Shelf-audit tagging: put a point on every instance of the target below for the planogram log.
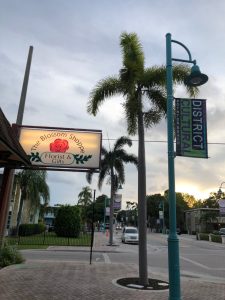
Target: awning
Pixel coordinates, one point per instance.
(12, 154)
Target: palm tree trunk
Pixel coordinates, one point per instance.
(111, 209)
(19, 216)
(142, 210)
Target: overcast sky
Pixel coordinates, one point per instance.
(76, 43)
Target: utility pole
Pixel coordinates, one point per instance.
(8, 175)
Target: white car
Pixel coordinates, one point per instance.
(130, 235)
(222, 231)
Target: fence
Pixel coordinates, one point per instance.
(50, 239)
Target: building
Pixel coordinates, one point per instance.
(203, 220)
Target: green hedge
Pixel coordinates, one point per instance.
(30, 229)
(204, 236)
(68, 222)
(216, 238)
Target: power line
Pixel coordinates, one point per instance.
(159, 141)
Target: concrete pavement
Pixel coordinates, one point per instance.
(71, 280)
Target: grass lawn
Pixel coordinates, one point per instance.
(43, 240)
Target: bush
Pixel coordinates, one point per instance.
(216, 238)
(204, 236)
(30, 229)
(9, 255)
(67, 221)
(216, 232)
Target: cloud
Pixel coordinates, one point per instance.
(76, 43)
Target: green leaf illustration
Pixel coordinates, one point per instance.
(81, 158)
(34, 157)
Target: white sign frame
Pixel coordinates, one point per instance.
(62, 148)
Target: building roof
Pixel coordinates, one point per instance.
(11, 152)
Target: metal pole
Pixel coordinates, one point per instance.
(163, 231)
(173, 242)
(10, 174)
(20, 113)
(104, 212)
(92, 227)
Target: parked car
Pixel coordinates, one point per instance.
(118, 227)
(130, 235)
(222, 231)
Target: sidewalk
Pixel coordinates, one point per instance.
(71, 280)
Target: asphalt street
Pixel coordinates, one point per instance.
(198, 259)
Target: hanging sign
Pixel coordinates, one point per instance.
(191, 128)
(61, 148)
(222, 206)
(107, 211)
(117, 201)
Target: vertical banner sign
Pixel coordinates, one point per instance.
(117, 201)
(222, 206)
(191, 128)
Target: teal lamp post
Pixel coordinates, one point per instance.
(196, 78)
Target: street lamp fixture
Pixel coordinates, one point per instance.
(219, 193)
(196, 78)
(120, 187)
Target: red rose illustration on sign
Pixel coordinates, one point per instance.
(59, 146)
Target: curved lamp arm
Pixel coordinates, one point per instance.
(188, 52)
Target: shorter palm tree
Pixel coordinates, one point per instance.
(85, 196)
(112, 166)
(84, 202)
(33, 187)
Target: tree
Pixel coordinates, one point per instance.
(211, 202)
(133, 82)
(99, 208)
(182, 206)
(84, 201)
(33, 187)
(112, 166)
(154, 203)
(85, 196)
(190, 199)
(67, 221)
(208, 217)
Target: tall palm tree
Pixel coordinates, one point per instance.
(112, 165)
(34, 188)
(133, 82)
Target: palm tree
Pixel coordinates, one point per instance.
(85, 196)
(34, 188)
(112, 165)
(133, 82)
(84, 201)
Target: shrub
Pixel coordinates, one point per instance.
(216, 232)
(30, 229)
(9, 255)
(204, 236)
(216, 238)
(67, 221)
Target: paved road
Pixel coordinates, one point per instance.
(198, 259)
(67, 274)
